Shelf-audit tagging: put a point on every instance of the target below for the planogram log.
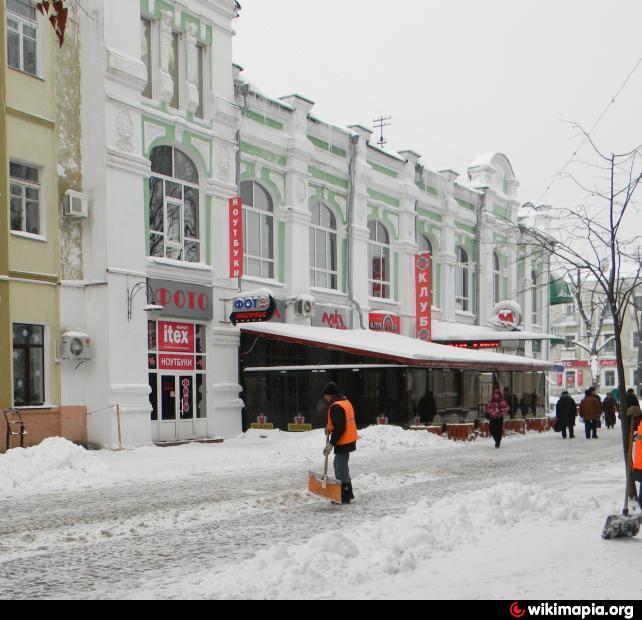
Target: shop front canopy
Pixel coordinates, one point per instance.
(443, 331)
(393, 347)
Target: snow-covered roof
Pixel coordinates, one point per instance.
(456, 332)
(384, 345)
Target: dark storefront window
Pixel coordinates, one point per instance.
(28, 364)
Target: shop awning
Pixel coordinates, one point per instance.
(456, 332)
(386, 346)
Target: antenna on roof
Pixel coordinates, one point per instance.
(380, 123)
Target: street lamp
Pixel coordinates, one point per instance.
(133, 291)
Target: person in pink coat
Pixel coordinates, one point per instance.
(496, 409)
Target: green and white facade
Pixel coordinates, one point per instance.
(329, 219)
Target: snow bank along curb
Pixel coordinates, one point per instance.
(353, 558)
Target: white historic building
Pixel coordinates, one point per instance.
(329, 219)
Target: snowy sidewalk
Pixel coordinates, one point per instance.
(433, 519)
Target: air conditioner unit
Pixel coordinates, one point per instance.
(75, 346)
(76, 204)
(304, 307)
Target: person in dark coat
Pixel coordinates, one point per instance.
(609, 407)
(566, 412)
(427, 407)
(590, 411)
(631, 399)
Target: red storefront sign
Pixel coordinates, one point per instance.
(381, 322)
(423, 296)
(175, 337)
(176, 362)
(236, 237)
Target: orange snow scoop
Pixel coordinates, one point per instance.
(323, 486)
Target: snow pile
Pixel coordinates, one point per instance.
(350, 559)
(385, 437)
(53, 465)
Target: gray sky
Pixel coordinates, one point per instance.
(459, 77)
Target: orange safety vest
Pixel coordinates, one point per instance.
(637, 449)
(350, 435)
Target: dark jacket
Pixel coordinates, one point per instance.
(632, 400)
(338, 417)
(566, 410)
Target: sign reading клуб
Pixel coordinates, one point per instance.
(423, 294)
(182, 300)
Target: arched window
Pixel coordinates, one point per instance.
(174, 230)
(535, 298)
(462, 301)
(323, 247)
(258, 230)
(379, 260)
(496, 278)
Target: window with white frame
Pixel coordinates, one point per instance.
(174, 64)
(609, 378)
(609, 343)
(635, 340)
(24, 198)
(146, 53)
(569, 341)
(534, 298)
(200, 78)
(379, 260)
(258, 230)
(496, 278)
(462, 274)
(570, 312)
(174, 230)
(22, 36)
(323, 247)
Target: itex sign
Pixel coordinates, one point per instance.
(236, 237)
(423, 294)
(176, 346)
(182, 300)
(253, 307)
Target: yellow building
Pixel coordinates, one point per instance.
(29, 235)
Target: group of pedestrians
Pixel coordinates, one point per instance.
(591, 409)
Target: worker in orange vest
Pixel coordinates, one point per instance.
(635, 414)
(342, 433)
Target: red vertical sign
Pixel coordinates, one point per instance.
(236, 237)
(423, 296)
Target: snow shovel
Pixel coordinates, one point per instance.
(624, 526)
(322, 485)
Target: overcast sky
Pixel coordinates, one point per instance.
(459, 77)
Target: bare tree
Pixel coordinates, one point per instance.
(596, 241)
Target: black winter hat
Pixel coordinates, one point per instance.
(331, 389)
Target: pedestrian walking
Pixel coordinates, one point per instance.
(496, 409)
(609, 408)
(590, 411)
(631, 399)
(566, 412)
(342, 432)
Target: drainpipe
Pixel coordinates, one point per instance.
(482, 206)
(354, 141)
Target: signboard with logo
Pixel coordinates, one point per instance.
(299, 425)
(383, 322)
(236, 237)
(506, 315)
(253, 307)
(176, 346)
(181, 300)
(423, 296)
(334, 317)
